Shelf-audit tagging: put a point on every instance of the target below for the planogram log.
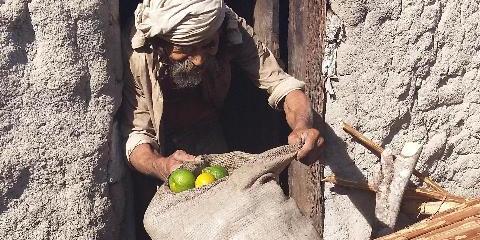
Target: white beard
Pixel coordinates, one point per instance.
(185, 74)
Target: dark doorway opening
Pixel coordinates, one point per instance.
(249, 123)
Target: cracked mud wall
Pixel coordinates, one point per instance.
(60, 73)
(407, 71)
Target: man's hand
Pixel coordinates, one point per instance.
(300, 118)
(147, 161)
(309, 138)
(164, 166)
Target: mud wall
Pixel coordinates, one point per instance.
(406, 71)
(60, 84)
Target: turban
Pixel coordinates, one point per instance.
(182, 22)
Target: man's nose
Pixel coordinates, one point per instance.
(198, 59)
(201, 56)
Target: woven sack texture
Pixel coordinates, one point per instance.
(248, 204)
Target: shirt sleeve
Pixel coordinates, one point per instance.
(262, 67)
(137, 125)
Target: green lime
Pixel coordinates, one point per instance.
(181, 180)
(216, 170)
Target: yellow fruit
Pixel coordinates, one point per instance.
(204, 179)
(217, 171)
(181, 180)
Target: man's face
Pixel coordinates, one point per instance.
(187, 63)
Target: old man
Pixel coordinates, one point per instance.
(179, 74)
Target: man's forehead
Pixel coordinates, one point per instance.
(192, 46)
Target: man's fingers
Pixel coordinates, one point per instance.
(170, 165)
(311, 139)
(175, 166)
(293, 139)
(304, 137)
(308, 146)
(182, 156)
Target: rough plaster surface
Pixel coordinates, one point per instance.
(407, 71)
(60, 85)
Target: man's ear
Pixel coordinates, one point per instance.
(160, 45)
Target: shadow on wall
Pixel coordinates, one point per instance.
(19, 34)
(343, 166)
(19, 185)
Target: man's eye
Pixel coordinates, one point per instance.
(211, 44)
(182, 50)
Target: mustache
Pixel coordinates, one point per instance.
(187, 67)
(185, 74)
(183, 67)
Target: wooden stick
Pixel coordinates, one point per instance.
(437, 195)
(415, 207)
(382, 206)
(377, 150)
(412, 193)
(389, 201)
(347, 183)
(464, 211)
(466, 227)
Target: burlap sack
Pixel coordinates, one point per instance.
(249, 204)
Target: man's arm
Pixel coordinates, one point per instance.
(142, 147)
(262, 67)
(299, 117)
(148, 161)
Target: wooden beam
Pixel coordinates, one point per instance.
(443, 220)
(393, 184)
(459, 230)
(377, 150)
(305, 51)
(416, 207)
(411, 193)
(266, 24)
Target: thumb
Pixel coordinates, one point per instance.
(175, 166)
(294, 138)
(182, 156)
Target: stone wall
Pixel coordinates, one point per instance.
(407, 71)
(60, 85)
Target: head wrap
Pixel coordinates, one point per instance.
(182, 22)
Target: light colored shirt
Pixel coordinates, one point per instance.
(143, 101)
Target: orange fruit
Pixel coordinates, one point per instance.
(204, 179)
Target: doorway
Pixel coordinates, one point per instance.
(249, 123)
